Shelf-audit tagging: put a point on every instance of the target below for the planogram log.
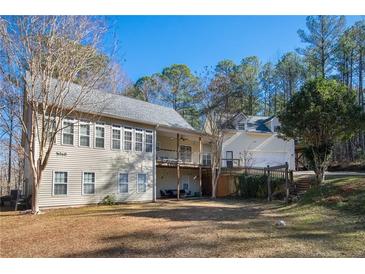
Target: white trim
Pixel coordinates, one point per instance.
(83, 182)
(191, 153)
(101, 126)
(141, 173)
(129, 129)
(118, 177)
(73, 134)
(79, 126)
(120, 128)
(148, 132)
(140, 131)
(53, 183)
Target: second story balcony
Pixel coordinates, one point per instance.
(187, 158)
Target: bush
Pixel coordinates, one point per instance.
(109, 200)
(255, 186)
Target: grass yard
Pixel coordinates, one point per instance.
(328, 222)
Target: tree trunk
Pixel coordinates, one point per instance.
(10, 150)
(35, 196)
(320, 175)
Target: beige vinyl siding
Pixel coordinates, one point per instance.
(104, 162)
(167, 179)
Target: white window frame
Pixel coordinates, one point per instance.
(142, 173)
(205, 157)
(101, 126)
(139, 131)
(150, 133)
(53, 183)
(83, 183)
(116, 127)
(83, 123)
(118, 182)
(73, 134)
(50, 133)
(191, 153)
(129, 129)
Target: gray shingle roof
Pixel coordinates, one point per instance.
(254, 123)
(257, 123)
(124, 107)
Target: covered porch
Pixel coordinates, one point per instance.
(181, 157)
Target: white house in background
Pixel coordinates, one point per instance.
(253, 141)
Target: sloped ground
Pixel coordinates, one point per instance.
(322, 225)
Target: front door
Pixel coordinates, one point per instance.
(229, 159)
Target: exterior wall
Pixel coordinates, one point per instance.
(261, 149)
(106, 163)
(167, 178)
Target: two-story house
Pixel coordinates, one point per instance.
(134, 150)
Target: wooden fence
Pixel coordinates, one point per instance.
(273, 172)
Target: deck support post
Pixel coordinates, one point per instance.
(178, 166)
(286, 182)
(200, 165)
(268, 184)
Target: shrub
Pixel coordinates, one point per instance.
(255, 186)
(109, 200)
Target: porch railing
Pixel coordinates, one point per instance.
(170, 156)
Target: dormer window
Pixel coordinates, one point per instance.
(241, 126)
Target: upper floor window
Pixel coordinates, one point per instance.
(88, 183)
(84, 134)
(138, 146)
(207, 159)
(185, 153)
(241, 126)
(148, 140)
(99, 136)
(50, 127)
(127, 138)
(60, 179)
(276, 128)
(116, 137)
(68, 133)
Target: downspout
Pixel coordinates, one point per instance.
(154, 163)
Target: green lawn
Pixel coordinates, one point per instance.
(327, 222)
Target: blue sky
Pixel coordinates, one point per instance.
(150, 43)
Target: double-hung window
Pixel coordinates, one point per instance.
(84, 130)
(128, 139)
(99, 135)
(88, 184)
(207, 159)
(138, 140)
(68, 133)
(141, 182)
(116, 137)
(123, 182)
(185, 153)
(148, 140)
(60, 179)
(50, 127)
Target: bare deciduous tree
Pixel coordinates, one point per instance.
(36, 50)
